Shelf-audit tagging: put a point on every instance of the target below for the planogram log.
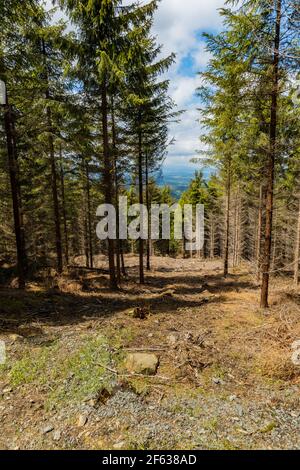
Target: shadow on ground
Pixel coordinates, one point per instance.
(166, 291)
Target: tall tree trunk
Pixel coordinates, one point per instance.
(116, 187)
(297, 251)
(212, 238)
(123, 267)
(85, 211)
(89, 216)
(270, 167)
(15, 192)
(227, 221)
(183, 251)
(236, 222)
(237, 258)
(108, 184)
(22, 227)
(149, 221)
(55, 198)
(85, 237)
(273, 264)
(56, 211)
(141, 201)
(259, 233)
(64, 211)
(240, 231)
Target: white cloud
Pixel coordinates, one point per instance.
(182, 89)
(186, 135)
(177, 22)
(200, 56)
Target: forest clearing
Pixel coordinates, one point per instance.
(225, 378)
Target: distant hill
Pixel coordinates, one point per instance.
(179, 177)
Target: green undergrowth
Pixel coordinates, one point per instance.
(71, 377)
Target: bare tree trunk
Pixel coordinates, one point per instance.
(22, 228)
(86, 243)
(149, 221)
(84, 211)
(56, 211)
(116, 187)
(108, 184)
(152, 248)
(118, 250)
(64, 212)
(212, 238)
(183, 242)
(270, 167)
(55, 199)
(15, 192)
(259, 232)
(236, 229)
(240, 233)
(227, 221)
(273, 265)
(141, 201)
(237, 259)
(89, 215)
(123, 267)
(240, 230)
(297, 252)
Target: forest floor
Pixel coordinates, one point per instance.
(225, 378)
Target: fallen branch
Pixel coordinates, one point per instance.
(108, 368)
(126, 376)
(83, 268)
(145, 349)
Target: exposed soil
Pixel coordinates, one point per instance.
(225, 381)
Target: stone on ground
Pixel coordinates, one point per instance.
(142, 363)
(82, 420)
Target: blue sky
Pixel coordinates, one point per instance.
(179, 25)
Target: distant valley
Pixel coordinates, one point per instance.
(178, 177)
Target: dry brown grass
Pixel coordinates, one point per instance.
(259, 343)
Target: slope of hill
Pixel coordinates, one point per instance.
(179, 177)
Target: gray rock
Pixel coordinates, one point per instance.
(233, 398)
(142, 363)
(120, 445)
(218, 381)
(47, 429)
(56, 436)
(173, 339)
(82, 420)
(202, 431)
